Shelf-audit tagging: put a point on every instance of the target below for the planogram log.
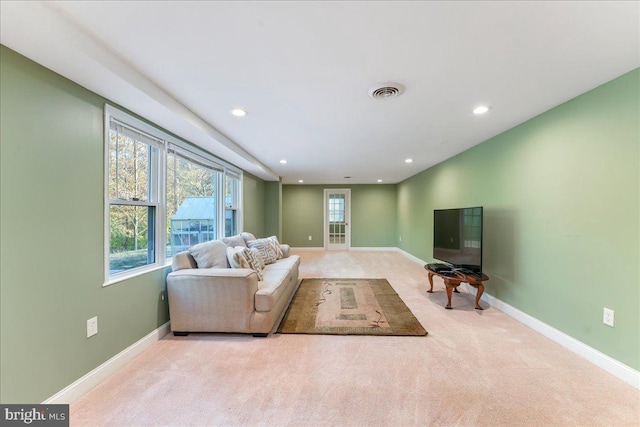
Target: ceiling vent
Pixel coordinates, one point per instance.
(386, 90)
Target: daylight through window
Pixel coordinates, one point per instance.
(192, 206)
(133, 198)
(161, 197)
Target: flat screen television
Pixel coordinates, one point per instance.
(457, 237)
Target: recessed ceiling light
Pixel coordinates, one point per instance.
(238, 112)
(379, 180)
(283, 161)
(480, 109)
(301, 181)
(409, 161)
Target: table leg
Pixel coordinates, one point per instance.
(449, 288)
(480, 288)
(430, 282)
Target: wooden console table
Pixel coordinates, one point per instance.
(452, 281)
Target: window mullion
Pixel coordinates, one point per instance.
(133, 203)
(220, 195)
(161, 193)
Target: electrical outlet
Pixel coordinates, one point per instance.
(608, 317)
(92, 327)
(401, 238)
(310, 238)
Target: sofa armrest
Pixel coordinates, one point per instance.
(183, 260)
(211, 299)
(285, 250)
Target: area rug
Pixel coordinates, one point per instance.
(349, 307)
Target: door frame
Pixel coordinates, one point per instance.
(347, 207)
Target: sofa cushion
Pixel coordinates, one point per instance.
(234, 241)
(269, 248)
(211, 254)
(272, 289)
(284, 263)
(236, 257)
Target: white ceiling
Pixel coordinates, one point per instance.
(302, 71)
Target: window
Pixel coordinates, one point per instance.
(336, 207)
(161, 196)
(192, 205)
(133, 197)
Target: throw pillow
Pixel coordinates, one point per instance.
(211, 254)
(256, 262)
(234, 241)
(266, 249)
(236, 257)
(277, 247)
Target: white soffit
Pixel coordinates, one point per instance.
(76, 55)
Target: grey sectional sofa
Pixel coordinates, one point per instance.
(207, 294)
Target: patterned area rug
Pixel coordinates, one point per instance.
(348, 307)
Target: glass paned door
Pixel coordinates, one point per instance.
(337, 215)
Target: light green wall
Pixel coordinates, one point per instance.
(52, 246)
(562, 217)
(262, 206)
(253, 196)
(51, 219)
(373, 215)
(273, 209)
(302, 215)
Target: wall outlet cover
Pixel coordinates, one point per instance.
(608, 317)
(92, 327)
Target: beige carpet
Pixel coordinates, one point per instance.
(349, 307)
(475, 368)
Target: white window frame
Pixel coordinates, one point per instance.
(201, 156)
(194, 155)
(165, 141)
(237, 205)
(157, 181)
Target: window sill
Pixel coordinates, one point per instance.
(135, 273)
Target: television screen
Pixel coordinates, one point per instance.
(457, 237)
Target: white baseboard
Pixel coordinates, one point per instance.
(375, 249)
(303, 249)
(359, 248)
(372, 249)
(83, 385)
(414, 258)
(609, 364)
